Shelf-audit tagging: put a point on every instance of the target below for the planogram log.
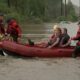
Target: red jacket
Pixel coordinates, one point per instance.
(77, 37)
(2, 31)
(14, 29)
(53, 39)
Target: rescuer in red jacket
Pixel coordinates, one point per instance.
(77, 37)
(13, 29)
(2, 30)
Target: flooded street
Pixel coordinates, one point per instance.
(39, 69)
(12, 68)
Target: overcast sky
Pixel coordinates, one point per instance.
(76, 2)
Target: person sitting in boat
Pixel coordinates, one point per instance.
(53, 41)
(77, 48)
(2, 30)
(13, 29)
(56, 37)
(65, 41)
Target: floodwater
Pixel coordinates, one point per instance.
(18, 68)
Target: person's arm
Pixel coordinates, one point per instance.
(75, 38)
(67, 44)
(65, 39)
(61, 42)
(19, 31)
(55, 43)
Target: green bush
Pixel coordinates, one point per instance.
(61, 18)
(36, 11)
(72, 18)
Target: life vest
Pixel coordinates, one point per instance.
(14, 29)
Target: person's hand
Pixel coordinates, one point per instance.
(28, 37)
(50, 47)
(19, 40)
(62, 46)
(72, 38)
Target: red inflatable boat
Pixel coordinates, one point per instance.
(28, 51)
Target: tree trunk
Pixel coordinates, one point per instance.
(16, 4)
(79, 9)
(8, 2)
(65, 10)
(61, 7)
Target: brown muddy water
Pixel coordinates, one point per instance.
(18, 68)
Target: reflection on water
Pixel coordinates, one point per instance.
(43, 31)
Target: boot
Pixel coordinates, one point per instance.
(31, 42)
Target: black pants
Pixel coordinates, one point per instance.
(30, 42)
(1, 52)
(76, 52)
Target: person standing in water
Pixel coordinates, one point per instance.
(77, 48)
(2, 33)
(2, 30)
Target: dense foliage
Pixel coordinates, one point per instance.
(38, 10)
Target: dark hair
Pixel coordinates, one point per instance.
(8, 20)
(78, 22)
(65, 29)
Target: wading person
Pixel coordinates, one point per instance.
(77, 48)
(2, 30)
